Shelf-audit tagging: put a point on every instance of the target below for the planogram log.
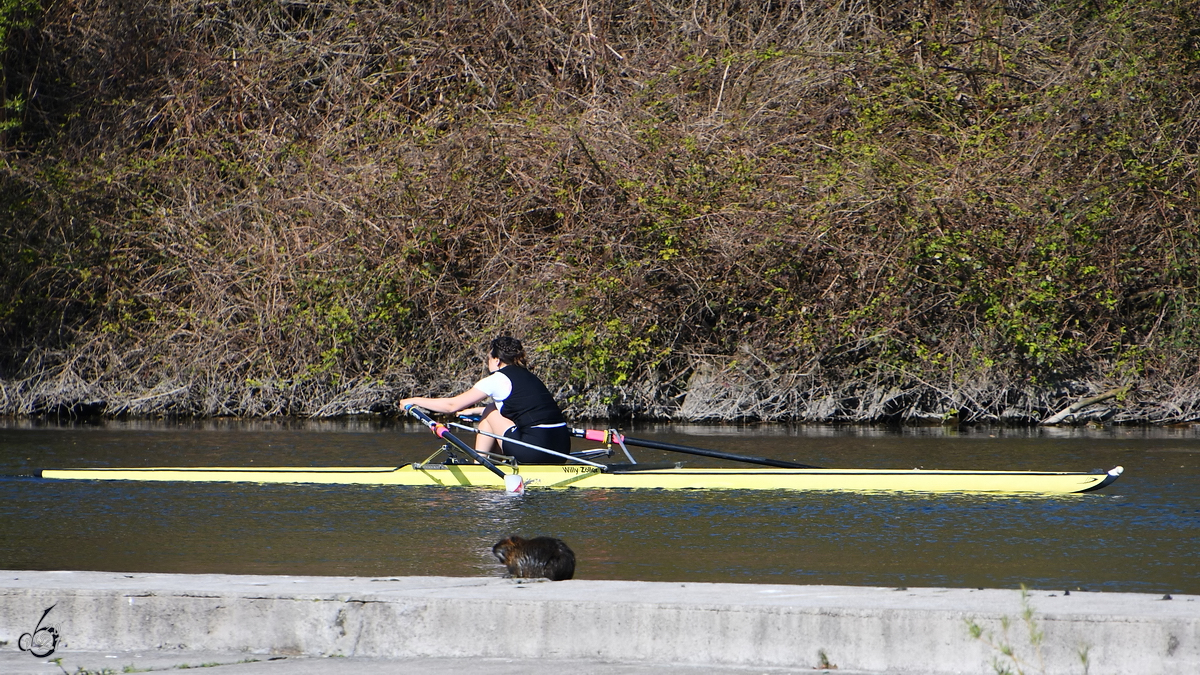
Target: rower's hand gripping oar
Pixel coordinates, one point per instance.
(512, 482)
(612, 436)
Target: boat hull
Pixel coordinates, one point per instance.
(558, 477)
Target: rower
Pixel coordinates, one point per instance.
(521, 407)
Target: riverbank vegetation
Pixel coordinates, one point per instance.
(702, 209)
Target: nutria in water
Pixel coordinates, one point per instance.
(537, 558)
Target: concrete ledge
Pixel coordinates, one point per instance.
(99, 663)
(919, 630)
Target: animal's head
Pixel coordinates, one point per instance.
(507, 549)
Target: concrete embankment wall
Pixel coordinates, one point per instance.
(917, 630)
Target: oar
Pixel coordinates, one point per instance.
(512, 482)
(505, 439)
(615, 437)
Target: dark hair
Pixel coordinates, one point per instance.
(509, 350)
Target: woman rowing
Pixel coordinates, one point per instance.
(522, 408)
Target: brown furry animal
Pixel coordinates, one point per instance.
(537, 558)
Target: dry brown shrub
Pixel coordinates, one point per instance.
(782, 211)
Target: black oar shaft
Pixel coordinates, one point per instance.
(687, 449)
(443, 433)
(671, 447)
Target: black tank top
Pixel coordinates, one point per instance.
(530, 402)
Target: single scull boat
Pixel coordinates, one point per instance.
(498, 471)
(631, 476)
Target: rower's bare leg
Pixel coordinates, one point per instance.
(495, 423)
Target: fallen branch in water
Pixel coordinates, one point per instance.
(1071, 410)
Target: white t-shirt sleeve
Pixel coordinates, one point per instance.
(497, 385)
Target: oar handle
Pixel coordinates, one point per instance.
(612, 436)
(443, 433)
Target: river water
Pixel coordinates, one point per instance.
(1141, 534)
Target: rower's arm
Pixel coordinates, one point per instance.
(446, 405)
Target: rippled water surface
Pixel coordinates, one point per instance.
(1140, 534)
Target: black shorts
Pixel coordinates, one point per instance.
(553, 438)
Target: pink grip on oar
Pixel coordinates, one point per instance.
(602, 436)
(440, 429)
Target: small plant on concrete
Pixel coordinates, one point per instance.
(1009, 661)
(823, 661)
(82, 670)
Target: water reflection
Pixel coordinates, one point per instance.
(1141, 534)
